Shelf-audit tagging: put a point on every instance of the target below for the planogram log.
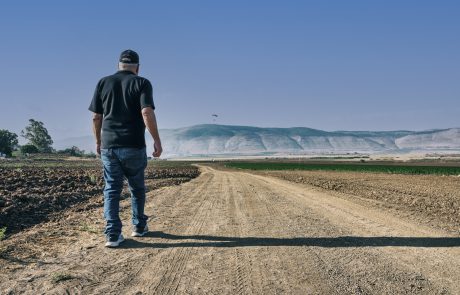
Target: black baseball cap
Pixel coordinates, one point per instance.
(129, 57)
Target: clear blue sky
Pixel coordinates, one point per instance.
(332, 65)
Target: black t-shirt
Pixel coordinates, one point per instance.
(120, 99)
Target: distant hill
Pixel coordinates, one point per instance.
(212, 140)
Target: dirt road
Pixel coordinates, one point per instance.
(229, 232)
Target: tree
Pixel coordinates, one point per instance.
(8, 142)
(38, 136)
(28, 149)
(73, 151)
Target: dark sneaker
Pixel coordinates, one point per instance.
(140, 231)
(114, 241)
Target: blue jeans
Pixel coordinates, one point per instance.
(118, 164)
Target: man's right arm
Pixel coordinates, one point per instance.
(97, 126)
(96, 108)
(150, 121)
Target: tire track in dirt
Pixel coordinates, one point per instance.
(430, 200)
(282, 255)
(419, 267)
(137, 262)
(244, 283)
(260, 214)
(170, 277)
(341, 277)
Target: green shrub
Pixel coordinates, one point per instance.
(28, 149)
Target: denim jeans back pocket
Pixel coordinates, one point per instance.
(134, 161)
(107, 156)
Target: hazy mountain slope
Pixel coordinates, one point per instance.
(437, 139)
(246, 140)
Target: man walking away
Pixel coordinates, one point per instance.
(123, 106)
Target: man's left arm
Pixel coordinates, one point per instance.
(97, 126)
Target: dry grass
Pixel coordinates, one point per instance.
(2, 233)
(60, 276)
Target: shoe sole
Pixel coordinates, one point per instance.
(114, 244)
(136, 234)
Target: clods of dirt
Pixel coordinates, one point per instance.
(30, 195)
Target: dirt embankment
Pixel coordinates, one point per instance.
(431, 199)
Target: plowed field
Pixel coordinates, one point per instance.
(31, 195)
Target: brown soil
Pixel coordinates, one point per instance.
(429, 199)
(229, 232)
(31, 195)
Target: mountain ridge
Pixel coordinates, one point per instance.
(214, 140)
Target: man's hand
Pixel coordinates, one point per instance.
(157, 149)
(150, 122)
(98, 149)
